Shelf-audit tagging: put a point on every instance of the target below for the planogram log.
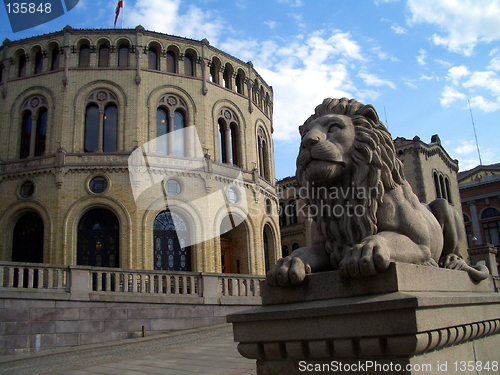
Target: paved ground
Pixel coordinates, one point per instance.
(208, 350)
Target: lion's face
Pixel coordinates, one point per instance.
(325, 148)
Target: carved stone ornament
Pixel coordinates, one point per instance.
(366, 214)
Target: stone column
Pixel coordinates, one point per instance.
(100, 131)
(67, 54)
(34, 119)
(227, 144)
(476, 228)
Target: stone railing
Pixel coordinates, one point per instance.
(113, 284)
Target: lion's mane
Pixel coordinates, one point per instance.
(375, 169)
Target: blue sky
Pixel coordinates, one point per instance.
(418, 62)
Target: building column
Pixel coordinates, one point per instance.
(100, 131)
(34, 119)
(476, 228)
(170, 134)
(227, 144)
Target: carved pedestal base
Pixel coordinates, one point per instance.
(408, 320)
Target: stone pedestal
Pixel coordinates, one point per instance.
(408, 320)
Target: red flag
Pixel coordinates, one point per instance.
(117, 11)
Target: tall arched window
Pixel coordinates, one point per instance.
(214, 70)
(84, 56)
(55, 57)
(171, 240)
(228, 137)
(33, 127)
(228, 76)
(441, 185)
(265, 240)
(240, 82)
(123, 55)
(491, 225)
(437, 186)
(98, 242)
(38, 63)
(292, 212)
(170, 120)
(263, 154)
(448, 190)
(153, 58)
(101, 122)
(282, 215)
(21, 67)
(103, 55)
(171, 65)
(188, 65)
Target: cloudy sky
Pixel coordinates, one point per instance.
(419, 62)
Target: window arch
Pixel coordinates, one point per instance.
(436, 185)
(214, 70)
(265, 240)
(491, 225)
(489, 213)
(21, 65)
(228, 76)
(171, 118)
(171, 235)
(84, 56)
(448, 191)
(228, 137)
(263, 154)
(171, 62)
(295, 246)
(55, 57)
(27, 241)
(33, 127)
(101, 122)
(292, 211)
(153, 58)
(103, 55)
(38, 68)
(240, 82)
(123, 55)
(189, 64)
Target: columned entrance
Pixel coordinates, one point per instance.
(171, 234)
(98, 239)
(27, 244)
(234, 246)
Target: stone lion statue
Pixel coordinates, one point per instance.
(347, 160)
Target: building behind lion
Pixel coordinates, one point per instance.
(76, 103)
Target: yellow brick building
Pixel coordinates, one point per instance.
(79, 109)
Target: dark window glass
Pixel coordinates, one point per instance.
(436, 185)
(110, 128)
(227, 78)
(27, 241)
(41, 133)
(98, 185)
(295, 246)
(26, 135)
(103, 56)
(240, 80)
(214, 74)
(21, 72)
(91, 128)
(1, 72)
(55, 59)
(266, 250)
(492, 232)
(443, 190)
(466, 218)
(179, 136)
(468, 232)
(123, 55)
(38, 62)
(282, 215)
(171, 62)
(490, 212)
(222, 142)
(161, 129)
(27, 189)
(152, 59)
(84, 56)
(292, 212)
(284, 251)
(188, 65)
(448, 191)
(234, 148)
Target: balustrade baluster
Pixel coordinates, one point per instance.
(11, 277)
(30, 278)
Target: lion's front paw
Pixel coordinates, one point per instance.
(366, 258)
(289, 270)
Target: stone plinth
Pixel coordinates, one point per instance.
(409, 315)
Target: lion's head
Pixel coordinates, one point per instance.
(346, 159)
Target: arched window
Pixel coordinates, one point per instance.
(441, 185)
(55, 57)
(228, 76)
(228, 137)
(437, 186)
(123, 55)
(491, 227)
(263, 154)
(282, 215)
(240, 82)
(1, 73)
(84, 56)
(101, 122)
(27, 241)
(38, 63)
(448, 191)
(171, 119)
(265, 240)
(98, 239)
(103, 55)
(188, 65)
(21, 67)
(295, 246)
(171, 65)
(33, 127)
(292, 212)
(152, 58)
(214, 70)
(285, 251)
(171, 240)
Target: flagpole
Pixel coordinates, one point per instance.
(123, 10)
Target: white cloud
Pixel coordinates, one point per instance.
(464, 23)
(450, 95)
(485, 104)
(422, 55)
(446, 64)
(164, 16)
(494, 64)
(426, 78)
(292, 3)
(484, 80)
(271, 24)
(383, 55)
(399, 29)
(456, 73)
(373, 80)
(466, 147)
